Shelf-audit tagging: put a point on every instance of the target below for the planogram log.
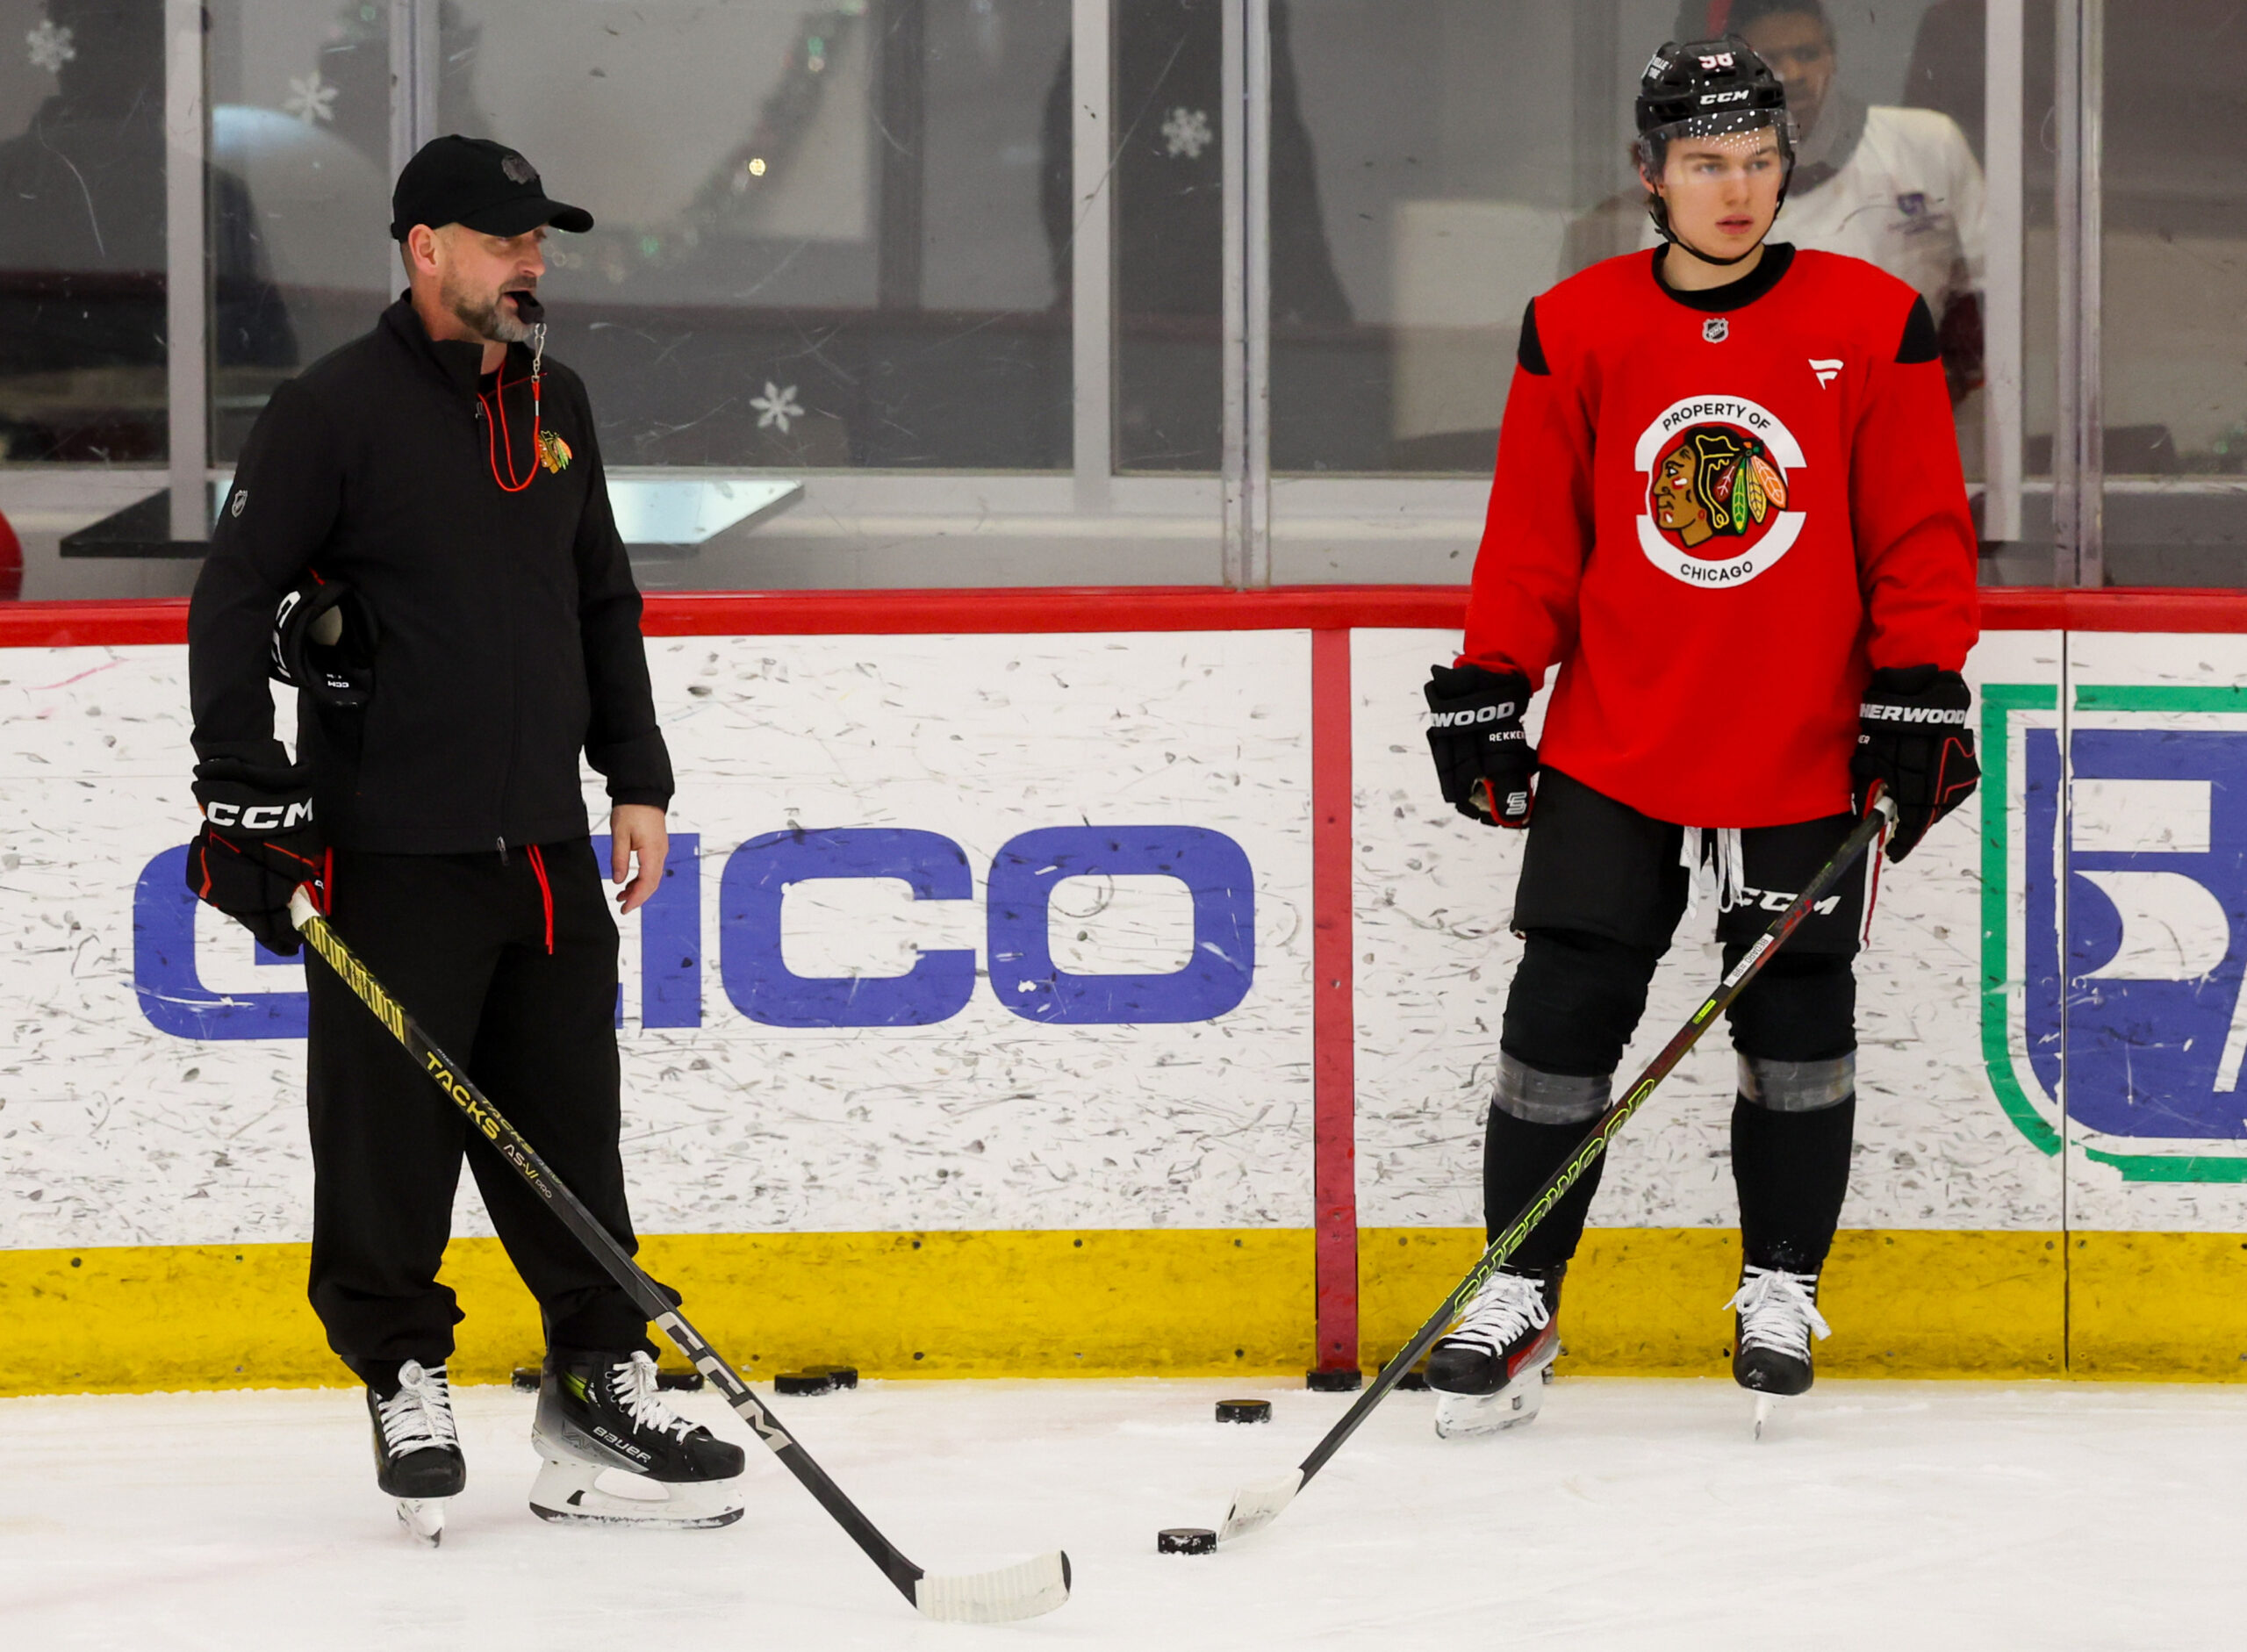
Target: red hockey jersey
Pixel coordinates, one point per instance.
(1716, 513)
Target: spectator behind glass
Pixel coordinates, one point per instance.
(82, 251)
(1896, 187)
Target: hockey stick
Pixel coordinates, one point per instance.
(1257, 1506)
(1022, 1591)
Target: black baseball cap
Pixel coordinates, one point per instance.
(476, 182)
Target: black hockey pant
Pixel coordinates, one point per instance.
(510, 965)
(1602, 890)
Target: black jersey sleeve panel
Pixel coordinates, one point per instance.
(287, 493)
(1922, 343)
(1531, 353)
(622, 740)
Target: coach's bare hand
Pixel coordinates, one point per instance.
(637, 828)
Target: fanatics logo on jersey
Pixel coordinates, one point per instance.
(1828, 370)
(1716, 329)
(1718, 476)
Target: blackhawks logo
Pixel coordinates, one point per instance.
(1717, 506)
(553, 452)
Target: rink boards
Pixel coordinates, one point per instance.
(1093, 983)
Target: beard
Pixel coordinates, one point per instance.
(491, 316)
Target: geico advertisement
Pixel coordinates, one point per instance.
(1210, 927)
(956, 932)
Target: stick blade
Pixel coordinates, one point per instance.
(1255, 1507)
(1029, 1589)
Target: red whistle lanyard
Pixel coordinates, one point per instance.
(495, 413)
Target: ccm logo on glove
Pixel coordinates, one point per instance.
(260, 817)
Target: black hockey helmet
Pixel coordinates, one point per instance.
(1707, 89)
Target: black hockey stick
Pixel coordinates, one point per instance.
(1257, 1506)
(1022, 1591)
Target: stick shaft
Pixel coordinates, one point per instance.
(651, 1299)
(1509, 1240)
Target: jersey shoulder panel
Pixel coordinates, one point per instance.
(1589, 304)
(1871, 305)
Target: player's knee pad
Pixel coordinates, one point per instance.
(1538, 1097)
(1800, 1008)
(1797, 1086)
(1574, 1001)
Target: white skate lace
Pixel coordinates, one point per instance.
(1776, 1311)
(421, 1413)
(633, 1385)
(1508, 1305)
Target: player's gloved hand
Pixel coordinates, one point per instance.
(1483, 760)
(1916, 738)
(258, 843)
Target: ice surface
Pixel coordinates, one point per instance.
(1632, 1514)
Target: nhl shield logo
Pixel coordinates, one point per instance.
(2115, 935)
(1716, 329)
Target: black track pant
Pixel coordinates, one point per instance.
(462, 942)
(1602, 891)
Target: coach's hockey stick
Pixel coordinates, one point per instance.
(1022, 1591)
(1257, 1506)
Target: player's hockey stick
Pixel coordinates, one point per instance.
(1022, 1591)
(1257, 1506)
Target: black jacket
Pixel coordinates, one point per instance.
(510, 625)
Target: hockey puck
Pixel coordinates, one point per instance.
(841, 1376)
(686, 1381)
(1244, 1410)
(525, 1380)
(1343, 1381)
(1414, 1381)
(1186, 1539)
(803, 1383)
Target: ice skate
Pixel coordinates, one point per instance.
(1775, 1313)
(599, 1415)
(1489, 1370)
(417, 1448)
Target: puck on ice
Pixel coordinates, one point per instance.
(1186, 1539)
(1244, 1410)
(526, 1379)
(841, 1376)
(1342, 1381)
(803, 1383)
(688, 1381)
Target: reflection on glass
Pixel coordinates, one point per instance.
(1169, 235)
(818, 240)
(300, 115)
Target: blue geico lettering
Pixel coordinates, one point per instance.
(1024, 976)
(936, 988)
(1215, 872)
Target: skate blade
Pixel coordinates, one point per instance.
(570, 1494)
(1480, 1416)
(423, 1518)
(1763, 1413)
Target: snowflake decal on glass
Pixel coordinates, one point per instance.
(51, 46)
(777, 406)
(1187, 131)
(311, 99)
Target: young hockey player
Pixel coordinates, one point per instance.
(1728, 507)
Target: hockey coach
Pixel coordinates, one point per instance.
(418, 540)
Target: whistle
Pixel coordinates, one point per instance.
(528, 307)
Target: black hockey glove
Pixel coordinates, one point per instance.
(323, 642)
(1483, 760)
(258, 843)
(1916, 739)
